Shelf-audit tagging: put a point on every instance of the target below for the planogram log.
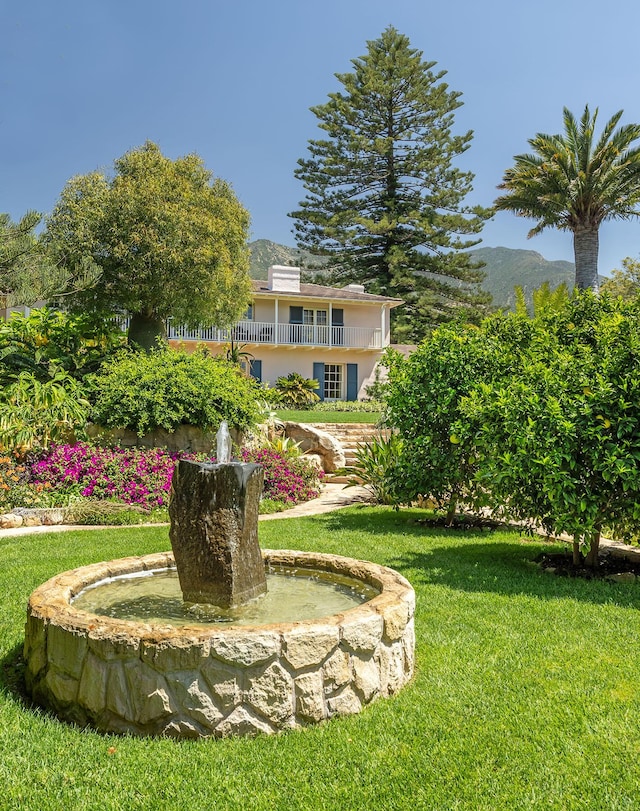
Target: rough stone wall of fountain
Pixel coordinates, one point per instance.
(123, 676)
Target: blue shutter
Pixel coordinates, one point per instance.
(318, 374)
(352, 381)
(255, 369)
(337, 326)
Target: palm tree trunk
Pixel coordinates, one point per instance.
(585, 249)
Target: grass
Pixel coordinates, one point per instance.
(328, 416)
(526, 693)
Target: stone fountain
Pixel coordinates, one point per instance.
(223, 668)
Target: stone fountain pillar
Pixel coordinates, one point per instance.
(214, 532)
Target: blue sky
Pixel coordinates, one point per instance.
(83, 81)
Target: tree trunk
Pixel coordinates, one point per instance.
(451, 509)
(591, 559)
(585, 249)
(144, 331)
(577, 555)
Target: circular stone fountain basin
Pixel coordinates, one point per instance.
(195, 680)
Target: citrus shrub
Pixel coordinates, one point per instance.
(558, 441)
(423, 404)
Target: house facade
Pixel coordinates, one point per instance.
(333, 335)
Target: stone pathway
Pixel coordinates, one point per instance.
(333, 497)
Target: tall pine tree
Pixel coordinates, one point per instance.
(384, 201)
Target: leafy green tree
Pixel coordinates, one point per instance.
(166, 239)
(574, 182)
(626, 282)
(423, 405)
(384, 199)
(558, 440)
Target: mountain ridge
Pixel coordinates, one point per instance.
(505, 268)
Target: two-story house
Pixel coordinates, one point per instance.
(333, 335)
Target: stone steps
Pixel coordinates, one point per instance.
(350, 435)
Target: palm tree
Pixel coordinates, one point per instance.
(573, 183)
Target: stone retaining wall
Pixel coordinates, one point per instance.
(122, 676)
(32, 517)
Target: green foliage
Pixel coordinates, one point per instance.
(269, 506)
(91, 512)
(377, 390)
(558, 440)
(44, 359)
(574, 182)
(35, 413)
(544, 299)
(238, 354)
(283, 445)
(376, 468)
(50, 341)
(423, 404)
(167, 240)
(167, 388)
(296, 391)
(28, 273)
(535, 418)
(384, 199)
(626, 282)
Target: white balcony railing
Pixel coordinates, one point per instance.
(263, 332)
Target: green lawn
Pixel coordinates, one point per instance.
(328, 416)
(526, 694)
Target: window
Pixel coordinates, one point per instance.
(315, 317)
(315, 329)
(333, 378)
(248, 315)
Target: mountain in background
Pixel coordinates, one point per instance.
(507, 267)
(504, 267)
(265, 253)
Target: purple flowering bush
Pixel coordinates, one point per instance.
(139, 476)
(287, 479)
(142, 476)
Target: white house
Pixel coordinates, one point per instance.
(333, 335)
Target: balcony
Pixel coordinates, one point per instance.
(263, 332)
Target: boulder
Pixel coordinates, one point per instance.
(320, 443)
(10, 521)
(214, 532)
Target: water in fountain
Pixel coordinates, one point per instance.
(220, 570)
